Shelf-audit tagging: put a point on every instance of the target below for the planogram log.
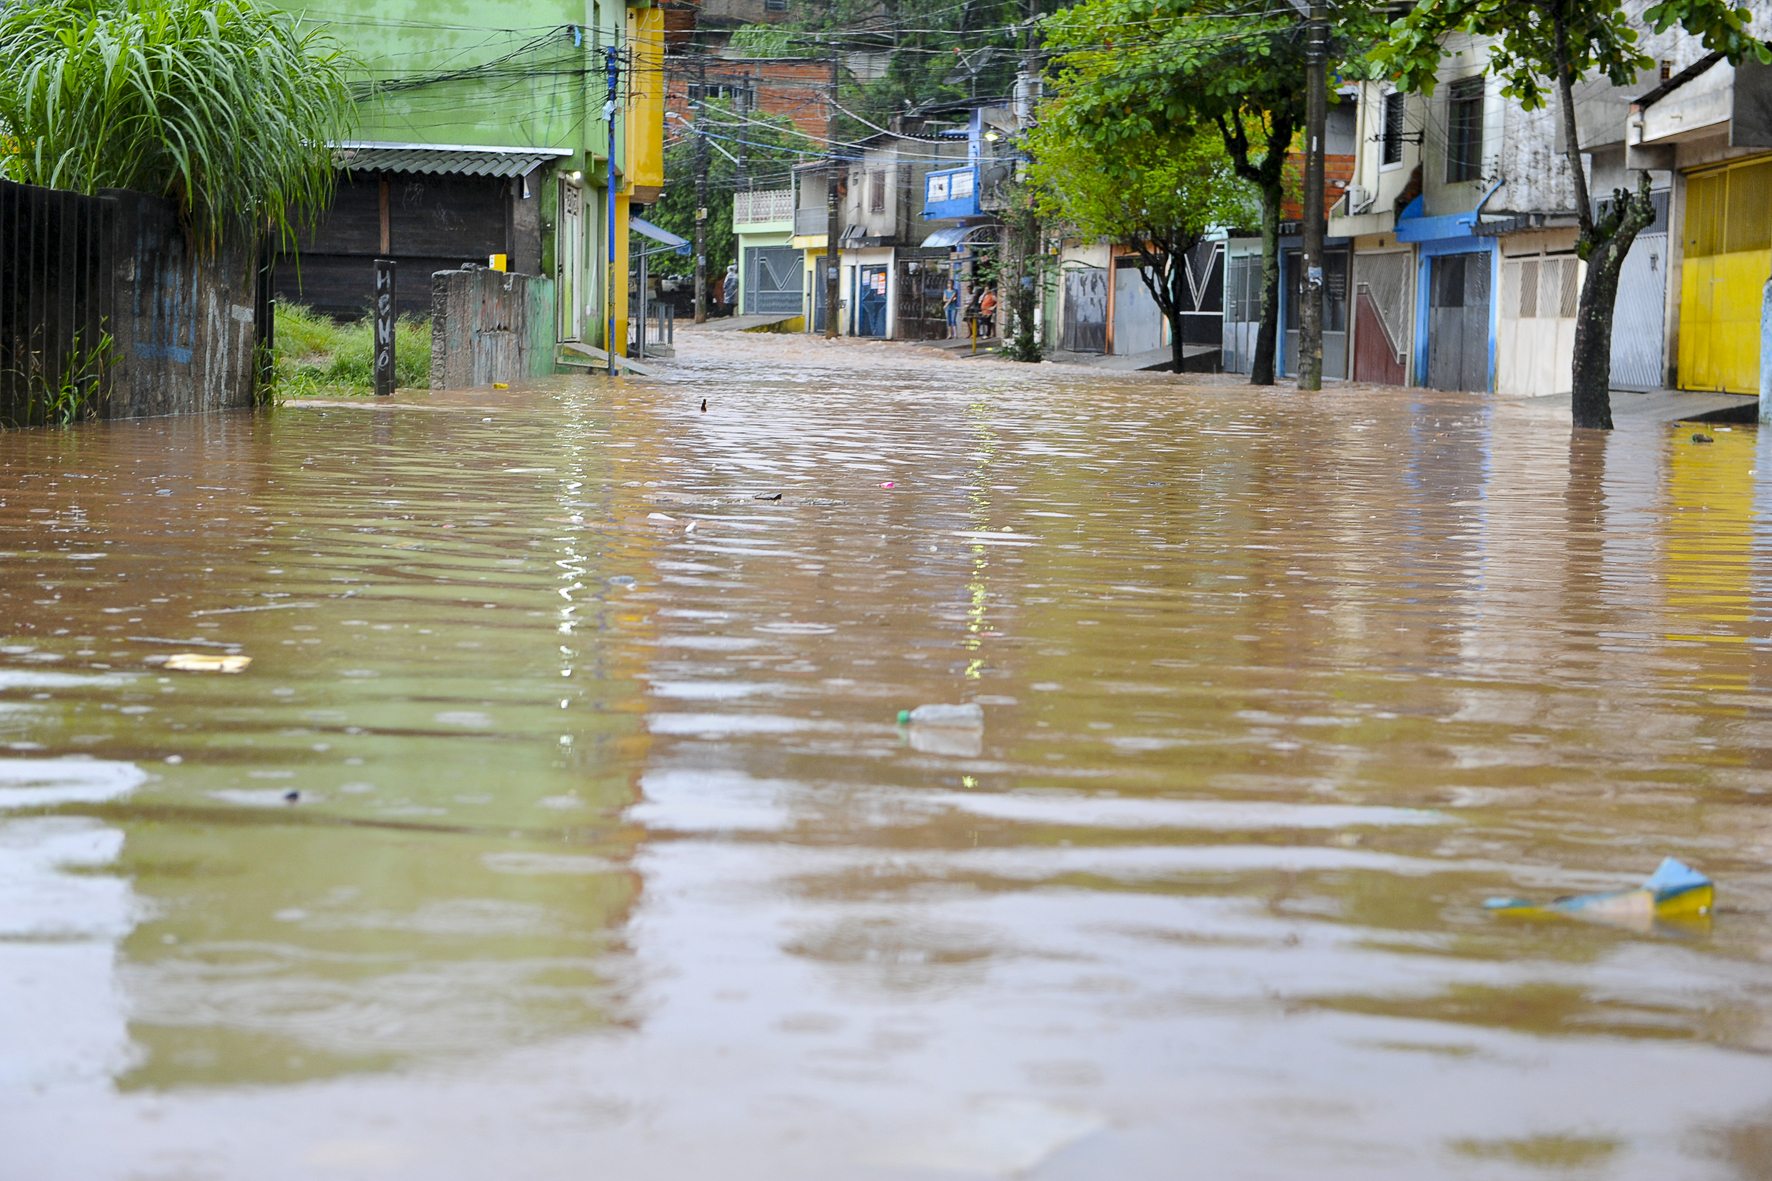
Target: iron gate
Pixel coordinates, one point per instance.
(1458, 323)
(1384, 296)
(772, 281)
(920, 284)
(56, 294)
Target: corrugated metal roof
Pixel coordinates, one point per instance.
(443, 159)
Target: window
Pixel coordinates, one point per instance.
(876, 192)
(738, 93)
(1464, 130)
(775, 5)
(1393, 130)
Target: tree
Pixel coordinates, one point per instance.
(1545, 47)
(1160, 192)
(1134, 65)
(224, 107)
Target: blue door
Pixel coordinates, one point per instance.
(870, 302)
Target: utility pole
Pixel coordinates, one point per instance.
(1316, 117)
(741, 104)
(832, 256)
(701, 190)
(612, 66)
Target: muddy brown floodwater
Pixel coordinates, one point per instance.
(609, 860)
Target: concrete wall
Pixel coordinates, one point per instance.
(490, 326)
(181, 315)
(185, 321)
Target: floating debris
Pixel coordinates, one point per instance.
(969, 716)
(1675, 893)
(205, 662)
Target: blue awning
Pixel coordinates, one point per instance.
(641, 226)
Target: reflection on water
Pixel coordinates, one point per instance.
(561, 816)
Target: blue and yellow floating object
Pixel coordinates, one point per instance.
(1674, 893)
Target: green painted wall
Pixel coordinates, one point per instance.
(529, 73)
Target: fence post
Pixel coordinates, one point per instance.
(384, 327)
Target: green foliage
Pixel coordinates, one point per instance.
(1169, 185)
(221, 105)
(767, 41)
(315, 355)
(1537, 40)
(771, 149)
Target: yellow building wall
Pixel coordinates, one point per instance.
(620, 287)
(1727, 229)
(644, 166)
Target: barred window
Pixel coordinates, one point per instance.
(1464, 130)
(1393, 129)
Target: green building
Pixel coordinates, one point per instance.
(485, 131)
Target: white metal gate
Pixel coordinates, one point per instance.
(1242, 310)
(1639, 318)
(1139, 326)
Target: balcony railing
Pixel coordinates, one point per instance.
(762, 205)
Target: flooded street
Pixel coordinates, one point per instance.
(606, 857)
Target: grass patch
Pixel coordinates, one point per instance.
(318, 356)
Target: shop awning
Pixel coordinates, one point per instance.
(658, 234)
(954, 235)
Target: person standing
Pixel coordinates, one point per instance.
(729, 289)
(950, 307)
(987, 312)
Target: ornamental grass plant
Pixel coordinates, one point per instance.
(223, 106)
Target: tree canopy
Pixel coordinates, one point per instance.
(1171, 184)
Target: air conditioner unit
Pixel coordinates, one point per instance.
(1359, 199)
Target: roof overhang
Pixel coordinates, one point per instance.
(955, 235)
(442, 159)
(659, 234)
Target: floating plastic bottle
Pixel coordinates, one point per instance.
(952, 717)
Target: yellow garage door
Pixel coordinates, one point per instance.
(1728, 257)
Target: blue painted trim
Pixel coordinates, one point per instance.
(951, 207)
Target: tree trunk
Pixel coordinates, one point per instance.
(1261, 367)
(1172, 313)
(1591, 392)
(1606, 246)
